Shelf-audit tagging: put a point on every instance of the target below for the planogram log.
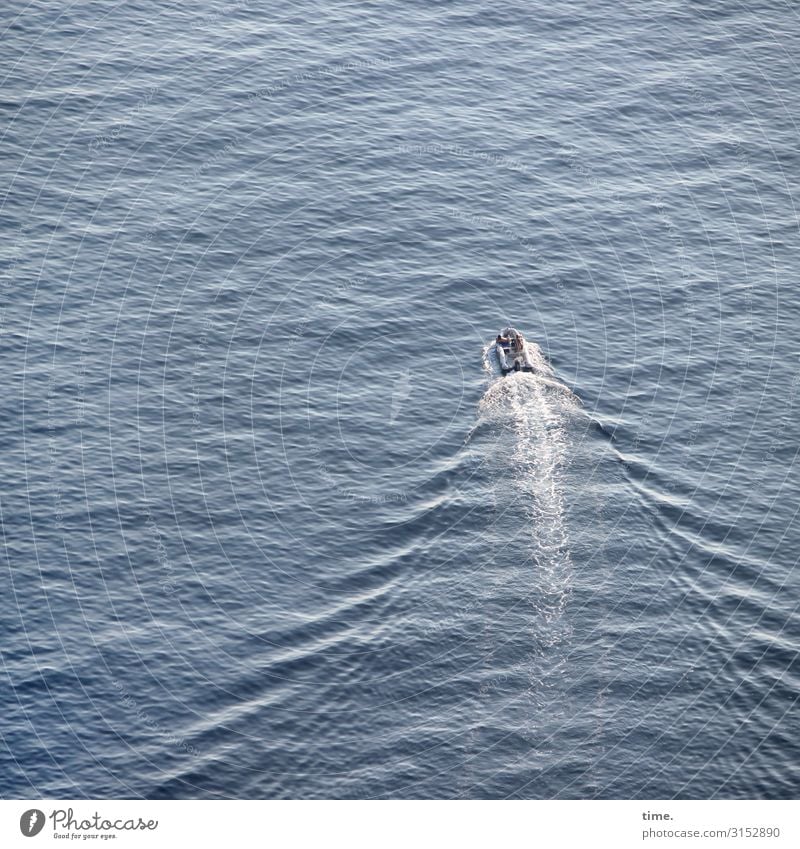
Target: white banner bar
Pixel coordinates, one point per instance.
(401, 824)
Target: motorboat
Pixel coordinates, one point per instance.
(512, 351)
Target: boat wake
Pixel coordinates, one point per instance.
(523, 438)
(529, 415)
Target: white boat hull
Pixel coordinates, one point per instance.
(513, 355)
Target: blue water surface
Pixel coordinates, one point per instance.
(272, 527)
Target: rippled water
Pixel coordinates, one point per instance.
(272, 525)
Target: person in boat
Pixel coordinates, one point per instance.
(514, 343)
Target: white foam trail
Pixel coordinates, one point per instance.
(532, 412)
(523, 430)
